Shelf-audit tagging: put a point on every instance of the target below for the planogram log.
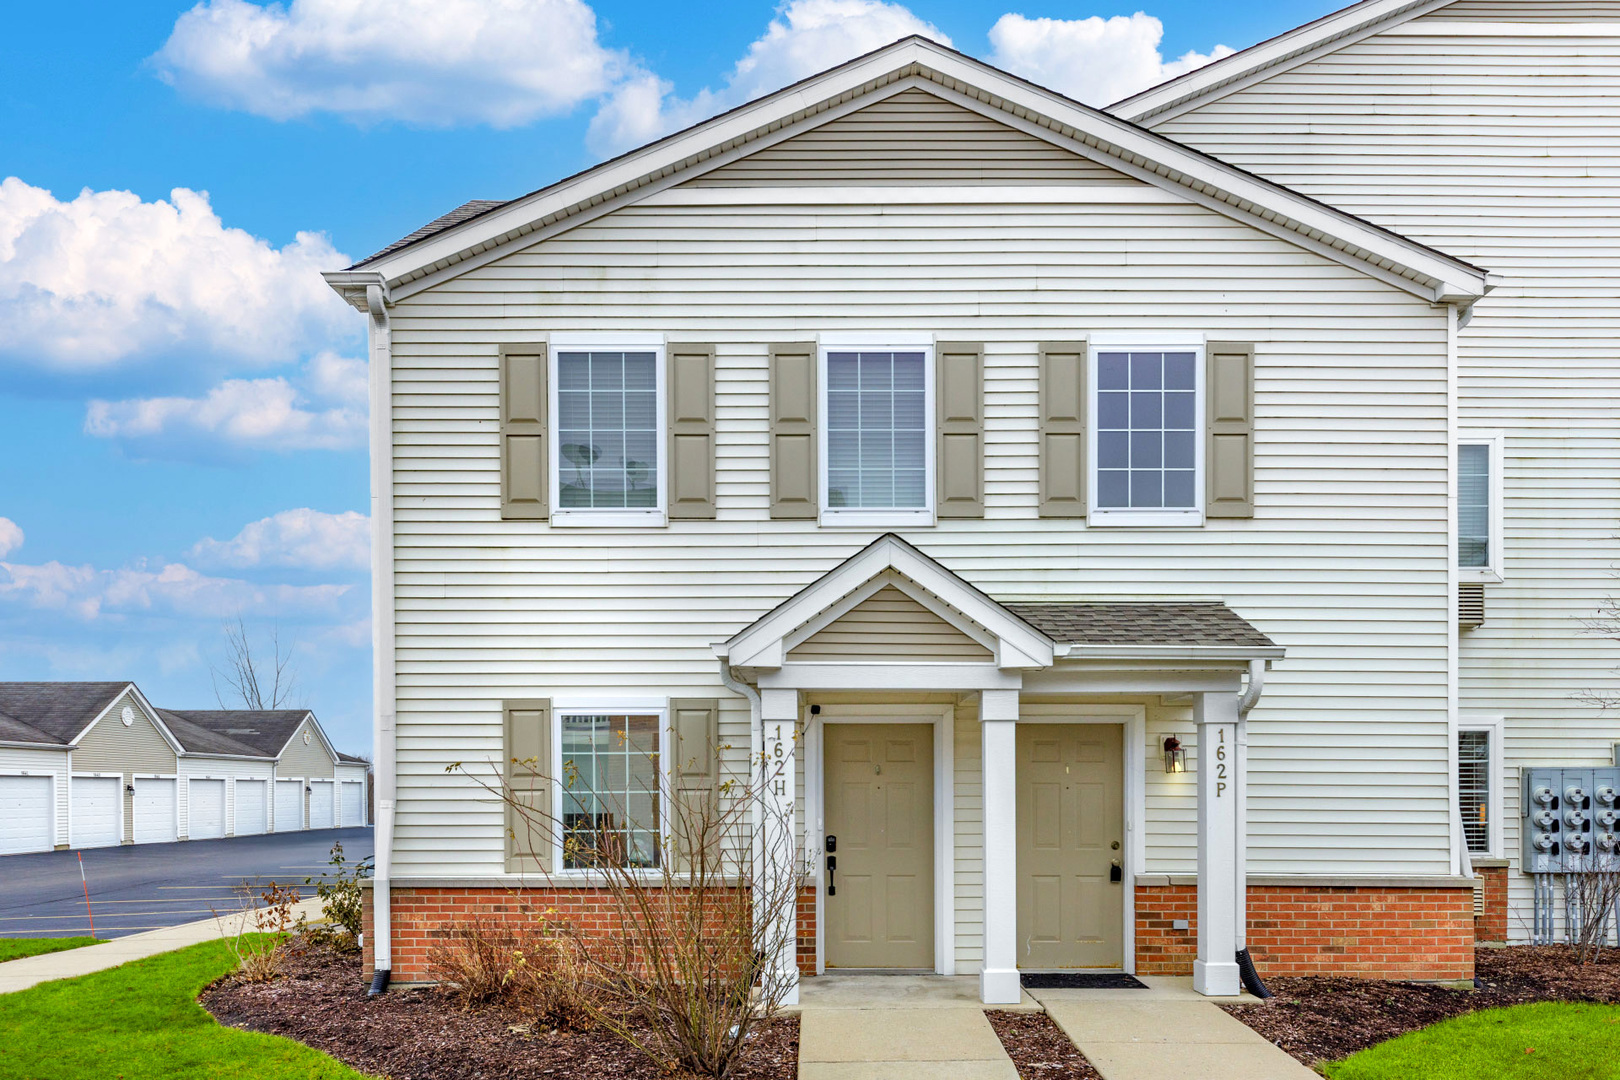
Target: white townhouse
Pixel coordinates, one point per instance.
(87, 764)
(1084, 515)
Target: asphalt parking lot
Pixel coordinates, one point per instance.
(156, 885)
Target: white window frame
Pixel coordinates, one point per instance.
(608, 516)
(1493, 442)
(623, 706)
(879, 517)
(1145, 342)
(1492, 726)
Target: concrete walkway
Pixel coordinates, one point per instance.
(1166, 1030)
(897, 1027)
(32, 970)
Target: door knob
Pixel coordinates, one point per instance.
(1116, 873)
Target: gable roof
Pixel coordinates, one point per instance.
(53, 713)
(479, 237)
(242, 732)
(1328, 34)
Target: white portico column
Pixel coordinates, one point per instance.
(1216, 971)
(998, 723)
(779, 716)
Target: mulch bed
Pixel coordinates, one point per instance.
(1039, 1048)
(420, 1034)
(1319, 1018)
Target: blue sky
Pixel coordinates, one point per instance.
(181, 400)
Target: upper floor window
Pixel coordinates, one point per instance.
(1479, 509)
(877, 465)
(608, 464)
(1147, 442)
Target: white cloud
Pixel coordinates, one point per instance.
(176, 588)
(264, 414)
(11, 537)
(1097, 61)
(106, 277)
(806, 37)
(338, 378)
(300, 538)
(499, 62)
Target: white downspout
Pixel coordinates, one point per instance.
(1240, 791)
(756, 751)
(382, 622)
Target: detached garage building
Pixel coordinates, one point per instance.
(96, 765)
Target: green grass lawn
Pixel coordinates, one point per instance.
(14, 948)
(1549, 1040)
(141, 1021)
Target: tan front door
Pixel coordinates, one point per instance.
(880, 809)
(1071, 833)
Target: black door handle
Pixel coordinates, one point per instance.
(832, 865)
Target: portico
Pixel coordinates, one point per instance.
(897, 644)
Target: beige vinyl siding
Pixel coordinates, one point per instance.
(1528, 11)
(1501, 149)
(110, 747)
(1344, 562)
(52, 763)
(889, 625)
(912, 137)
(299, 760)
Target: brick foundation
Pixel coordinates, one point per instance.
(1362, 931)
(420, 916)
(1492, 926)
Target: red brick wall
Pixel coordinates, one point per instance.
(420, 916)
(1493, 925)
(1375, 933)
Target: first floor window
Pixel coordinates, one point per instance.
(877, 429)
(1474, 788)
(611, 790)
(1474, 509)
(1147, 424)
(607, 429)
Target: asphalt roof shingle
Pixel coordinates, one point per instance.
(256, 733)
(52, 712)
(465, 212)
(1141, 623)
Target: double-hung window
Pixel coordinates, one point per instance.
(1479, 795)
(1479, 507)
(608, 454)
(877, 460)
(611, 788)
(1147, 427)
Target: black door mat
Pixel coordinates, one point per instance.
(1079, 980)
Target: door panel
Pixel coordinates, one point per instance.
(250, 815)
(880, 805)
(206, 809)
(95, 811)
(26, 818)
(1071, 797)
(289, 805)
(155, 816)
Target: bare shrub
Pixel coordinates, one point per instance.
(257, 935)
(1591, 901)
(531, 967)
(701, 896)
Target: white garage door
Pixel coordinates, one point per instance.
(207, 809)
(320, 804)
(249, 807)
(25, 814)
(155, 818)
(95, 802)
(289, 805)
(354, 804)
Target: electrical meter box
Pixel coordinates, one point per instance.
(1571, 819)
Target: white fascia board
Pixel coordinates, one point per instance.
(13, 745)
(309, 718)
(1175, 652)
(157, 721)
(1270, 57)
(352, 284)
(917, 62)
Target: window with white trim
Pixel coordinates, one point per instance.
(877, 457)
(1479, 795)
(1147, 434)
(1479, 507)
(611, 787)
(609, 432)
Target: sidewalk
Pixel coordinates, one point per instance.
(32, 970)
(1165, 1030)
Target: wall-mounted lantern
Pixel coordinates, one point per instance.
(129, 789)
(1175, 757)
(308, 789)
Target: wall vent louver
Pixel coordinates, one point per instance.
(1470, 603)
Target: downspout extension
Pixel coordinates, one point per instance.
(1248, 700)
(382, 622)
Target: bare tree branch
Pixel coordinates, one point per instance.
(254, 682)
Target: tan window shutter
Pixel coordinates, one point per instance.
(959, 404)
(1063, 429)
(695, 728)
(1229, 431)
(691, 431)
(525, 484)
(528, 776)
(794, 481)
